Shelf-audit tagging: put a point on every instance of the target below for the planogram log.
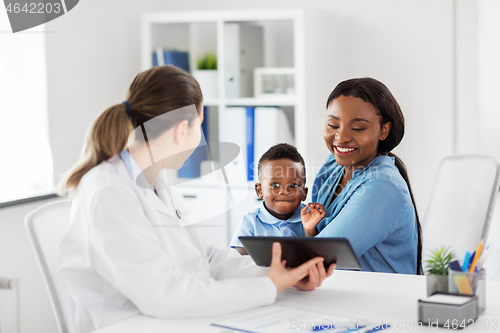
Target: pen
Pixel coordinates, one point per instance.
(465, 265)
(376, 329)
(476, 257)
(470, 260)
(332, 327)
(484, 256)
(323, 327)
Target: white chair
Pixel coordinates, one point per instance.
(461, 204)
(45, 225)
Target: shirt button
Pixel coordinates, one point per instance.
(179, 214)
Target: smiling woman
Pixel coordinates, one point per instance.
(353, 131)
(364, 188)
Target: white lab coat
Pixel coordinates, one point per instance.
(125, 252)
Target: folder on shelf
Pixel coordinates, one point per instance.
(250, 142)
(243, 52)
(236, 120)
(171, 57)
(271, 127)
(263, 127)
(192, 166)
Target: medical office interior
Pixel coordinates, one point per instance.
(439, 59)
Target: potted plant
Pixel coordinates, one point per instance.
(437, 270)
(206, 75)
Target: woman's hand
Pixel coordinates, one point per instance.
(310, 215)
(307, 276)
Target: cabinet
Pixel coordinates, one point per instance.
(300, 42)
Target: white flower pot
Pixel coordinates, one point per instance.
(437, 283)
(207, 79)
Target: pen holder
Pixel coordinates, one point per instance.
(466, 283)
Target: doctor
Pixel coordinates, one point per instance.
(128, 248)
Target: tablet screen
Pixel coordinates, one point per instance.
(298, 250)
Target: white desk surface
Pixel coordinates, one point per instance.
(377, 297)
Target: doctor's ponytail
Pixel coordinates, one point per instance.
(152, 93)
(107, 137)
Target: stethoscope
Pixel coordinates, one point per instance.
(178, 212)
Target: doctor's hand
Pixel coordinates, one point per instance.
(315, 277)
(307, 276)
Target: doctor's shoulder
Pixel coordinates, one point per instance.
(103, 179)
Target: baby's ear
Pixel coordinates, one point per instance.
(258, 191)
(304, 193)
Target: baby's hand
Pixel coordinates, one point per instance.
(310, 215)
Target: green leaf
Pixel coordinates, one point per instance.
(439, 260)
(208, 61)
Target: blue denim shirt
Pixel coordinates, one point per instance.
(261, 223)
(374, 211)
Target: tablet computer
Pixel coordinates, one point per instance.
(298, 250)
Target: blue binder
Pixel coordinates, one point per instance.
(250, 129)
(191, 168)
(155, 60)
(177, 58)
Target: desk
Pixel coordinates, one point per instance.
(377, 297)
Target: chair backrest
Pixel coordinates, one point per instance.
(461, 204)
(45, 225)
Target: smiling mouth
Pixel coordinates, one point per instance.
(341, 150)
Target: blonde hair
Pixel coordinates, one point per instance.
(152, 93)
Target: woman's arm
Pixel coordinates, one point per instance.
(147, 268)
(372, 213)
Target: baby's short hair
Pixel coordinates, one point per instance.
(282, 151)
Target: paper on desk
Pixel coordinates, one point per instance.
(280, 319)
(447, 299)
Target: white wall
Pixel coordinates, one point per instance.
(93, 54)
(489, 81)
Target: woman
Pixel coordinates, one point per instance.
(363, 186)
(128, 247)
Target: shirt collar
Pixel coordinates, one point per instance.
(266, 217)
(383, 159)
(133, 168)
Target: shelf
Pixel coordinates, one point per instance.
(200, 183)
(276, 40)
(222, 15)
(267, 101)
(211, 102)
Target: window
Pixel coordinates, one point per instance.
(26, 159)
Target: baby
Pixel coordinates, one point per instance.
(281, 184)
